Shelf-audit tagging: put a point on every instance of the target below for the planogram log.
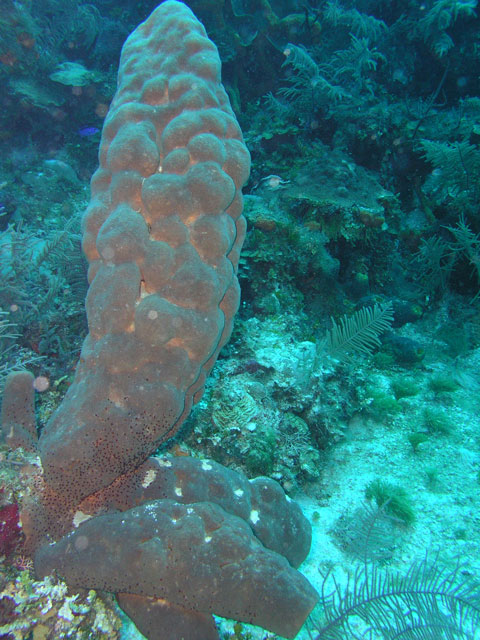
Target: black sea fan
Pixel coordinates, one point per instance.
(359, 333)
(429, 602)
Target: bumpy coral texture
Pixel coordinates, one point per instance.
(176, 539)
(189, 556)
(162, 234)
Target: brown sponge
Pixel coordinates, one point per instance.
(194, 556)
(162, 234)
(18, 411)
(275, 520)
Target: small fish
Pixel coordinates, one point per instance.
(86, 132)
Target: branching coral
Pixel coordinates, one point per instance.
(442, 15)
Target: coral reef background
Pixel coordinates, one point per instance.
(352, 374)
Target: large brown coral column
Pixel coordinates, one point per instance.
(162, 234)
(177, 540)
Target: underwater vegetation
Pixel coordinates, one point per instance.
(392, 499)
(426, 602)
